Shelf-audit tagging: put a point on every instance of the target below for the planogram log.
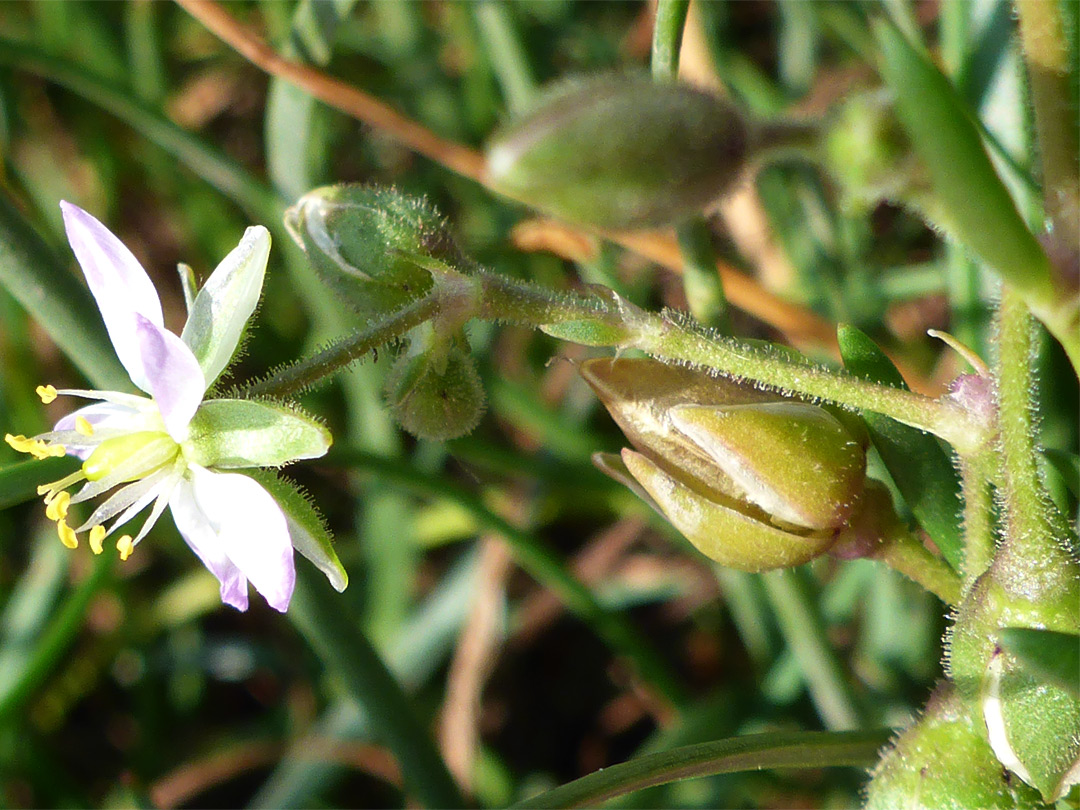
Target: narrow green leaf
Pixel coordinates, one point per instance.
(920, 467)
(973, 200)
(1067, 466)
(57, 300)
(19, 482)
(752, 752)
(346, 651)
(1048, 654)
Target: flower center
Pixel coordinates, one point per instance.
(151, 449)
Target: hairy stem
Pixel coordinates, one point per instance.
(903, 552)
(979, 534)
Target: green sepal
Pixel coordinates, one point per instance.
(1050, 655)
(1032, 727)
(307, 529)
(237, 433)
(921, 469)
(943, 760)
(588, 333)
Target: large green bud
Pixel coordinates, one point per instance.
(620, 151)
(373, 246)
(753, 480)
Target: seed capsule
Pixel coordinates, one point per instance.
(620, 151)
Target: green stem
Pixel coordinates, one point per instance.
(1030, 529)
(541, 563)
(609, 321)
(1050, 60)
(667, 37)
(979, 534)
(803, 629)
(347, 652)
(508, 56)
(298, 377)
(701, 283)
(903, 552)
(752, 752)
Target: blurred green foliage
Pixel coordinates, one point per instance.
(131, 685)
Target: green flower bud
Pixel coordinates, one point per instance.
(436, 393)
(373, 247)
(620, 151)
(754, 480)
(944, 760)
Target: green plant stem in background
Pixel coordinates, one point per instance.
(346, 651)
(970, 201)
(803, 628)
(667, 37)
(701, 282)
(508, 57)
(804, 749)
(54, 640)
(1051, 64)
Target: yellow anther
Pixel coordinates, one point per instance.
(97, 535)
(54, 450)
(46, 392)
(57, 506)
(83, 427)
(19, 443)
(125, 546)
(67, 534)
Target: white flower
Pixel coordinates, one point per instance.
(167, 449)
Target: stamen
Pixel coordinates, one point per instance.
(67, 534)
(97, 535)
(56, 506)
(35, 447)
(125, 546)
(46, 392)
(83, 426)
(20, 444)
(50, 490)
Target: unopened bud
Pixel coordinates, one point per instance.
(436, 393)
(372, 245)
(754, 480)
(620, 151)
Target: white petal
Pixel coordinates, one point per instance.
(175, 379)
(226, 301)
(118, 283)
(251, 529)
(202, 538)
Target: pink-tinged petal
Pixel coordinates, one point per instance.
(201, 537)
(176, 381)
(251, 529)
(118, 283)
